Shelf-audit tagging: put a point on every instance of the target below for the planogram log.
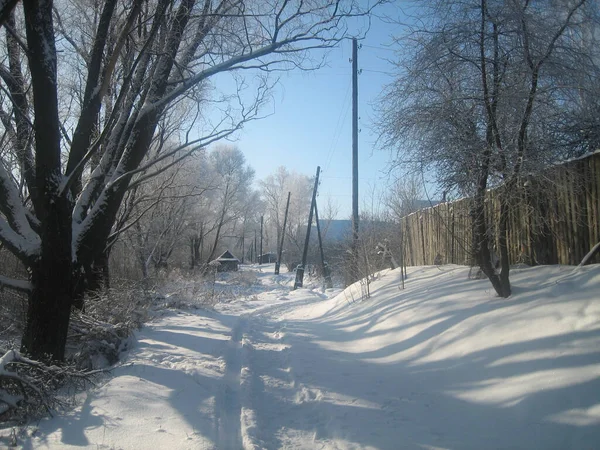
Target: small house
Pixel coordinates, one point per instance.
(267, 258)
(227, 262)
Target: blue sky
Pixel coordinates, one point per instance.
(311, 117)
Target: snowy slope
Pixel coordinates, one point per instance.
(441, 364)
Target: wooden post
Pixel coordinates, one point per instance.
(243, 246)
(278, 263)
(326, 272)
(355, 244)
(260, 257)
(300, 270)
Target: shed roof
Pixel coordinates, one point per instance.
(227, 256)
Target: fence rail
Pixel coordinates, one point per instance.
(554, 219)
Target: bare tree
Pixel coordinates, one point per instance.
(274, 189)
(232, 186)
(476, 99)
(162, 209)
(406, 195)
(58, 209)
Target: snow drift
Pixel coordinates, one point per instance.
(441, 364)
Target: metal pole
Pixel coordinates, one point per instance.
(300, 269)
(278, 263)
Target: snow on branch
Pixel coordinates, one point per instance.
(28, 387)
(16, 243)
(17, 285)
(6, 7)
(15, 232)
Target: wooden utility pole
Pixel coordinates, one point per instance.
(280, 252)
(260, 257)
(324, 265)
(355, 245)
(255, 258)
(301, 267)
(243, 246)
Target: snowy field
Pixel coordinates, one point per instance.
(441, 364)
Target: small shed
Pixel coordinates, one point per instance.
(267, 258)
(227, 262)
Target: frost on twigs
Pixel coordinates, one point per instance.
(31, 389)
(98, 336)
(188, 290)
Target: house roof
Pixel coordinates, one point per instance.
(227, 256)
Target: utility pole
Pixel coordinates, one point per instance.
(278, 263)
(255, 258)
(326, 272)
(243, 247)
(260, 257)
(355, 244)
(300, 269)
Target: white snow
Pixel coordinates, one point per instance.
(19, 285)
(442, 364)
(19, 233)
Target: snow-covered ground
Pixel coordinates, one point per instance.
(440, 364)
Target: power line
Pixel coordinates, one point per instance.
(378, 47)
(338, 127)
(378, 71)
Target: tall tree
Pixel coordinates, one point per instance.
(476, 98)
(274, 189)
(233, 178)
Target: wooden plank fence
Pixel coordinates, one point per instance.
(554, 219)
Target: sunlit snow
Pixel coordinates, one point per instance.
(443, 364)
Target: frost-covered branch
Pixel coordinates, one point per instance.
(15, 213)
(17, 285)
(27, 387)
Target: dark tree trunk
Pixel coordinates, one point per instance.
(482, 253)
(195, 243)
(97, 277)
(218, 232)
(503, 245)
(49, 305)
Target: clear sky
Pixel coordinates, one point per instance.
(311, 121)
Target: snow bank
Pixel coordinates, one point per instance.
(458, 367)
(440, 364)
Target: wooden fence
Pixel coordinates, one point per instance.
(554, 219)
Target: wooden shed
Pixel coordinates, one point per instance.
(227, 262)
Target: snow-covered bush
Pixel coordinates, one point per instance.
(30, 389)
(245, 278)
(13, 304)
(99, 334)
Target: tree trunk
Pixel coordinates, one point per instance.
(196, 256)
(218, 233)
(482, 247)
(503, 244)
(97, 278)
(49, 306)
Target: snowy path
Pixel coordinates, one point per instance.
(441, 364)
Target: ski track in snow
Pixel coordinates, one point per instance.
(227, 403)
(442, 364)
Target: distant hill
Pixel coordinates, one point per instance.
(335, 230)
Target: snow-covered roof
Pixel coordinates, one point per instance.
(227, 256)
